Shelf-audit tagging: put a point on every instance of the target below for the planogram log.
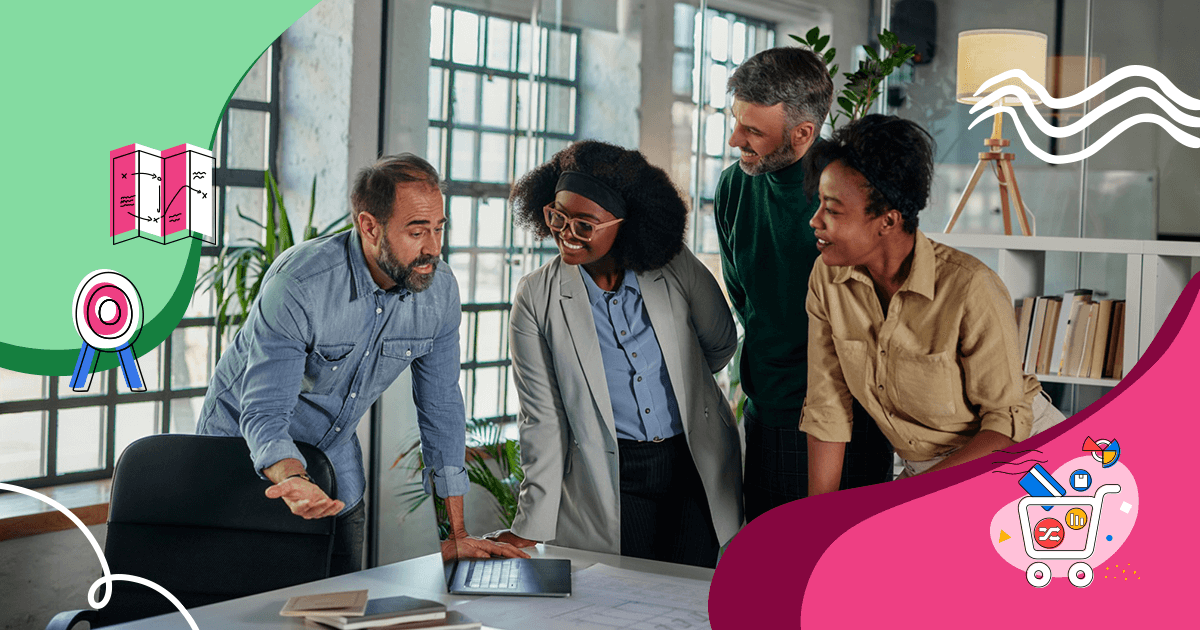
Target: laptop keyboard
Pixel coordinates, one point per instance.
(494, 575)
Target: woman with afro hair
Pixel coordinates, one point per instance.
(921, 334)
(627, 443)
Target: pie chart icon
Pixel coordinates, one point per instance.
(1106, 452)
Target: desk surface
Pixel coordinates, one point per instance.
(420, 577)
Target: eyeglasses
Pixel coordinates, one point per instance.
(583, 230)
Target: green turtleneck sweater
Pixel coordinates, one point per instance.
(767, 252)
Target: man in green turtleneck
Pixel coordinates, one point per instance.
(780, 99)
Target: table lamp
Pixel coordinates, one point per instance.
(983, 54)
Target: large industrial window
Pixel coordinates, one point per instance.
(724, 40)
(503, 97)
(53, 435)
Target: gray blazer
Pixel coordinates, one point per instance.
(571, 491)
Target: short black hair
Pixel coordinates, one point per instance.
(375, 185)
(655, 213)
(796, 77)
(894, 155)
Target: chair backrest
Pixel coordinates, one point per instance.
(189, 513)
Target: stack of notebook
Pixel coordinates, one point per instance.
(353, 610)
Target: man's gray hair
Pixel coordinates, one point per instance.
(375, 186)
(796, 77)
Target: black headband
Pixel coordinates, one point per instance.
(597, 191)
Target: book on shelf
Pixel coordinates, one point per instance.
(1071, 302)
(343, 604)
(1084, 364)
(1077, 331)
(1095, 368)
(1024, 321)
(453, 620)
(1049, 328)
(1038, 319)
(1116, 350)
(388, 611)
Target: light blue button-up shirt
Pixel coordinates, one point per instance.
(320, 344)
(644, 405)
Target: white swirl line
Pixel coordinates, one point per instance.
(1185, 139)
(108, 578)
(1090, 92)
(1078, 126)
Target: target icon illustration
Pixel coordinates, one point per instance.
(108, 316)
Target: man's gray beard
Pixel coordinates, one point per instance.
(784, 156)
(404, 275)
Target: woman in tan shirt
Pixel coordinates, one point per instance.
(921, 334)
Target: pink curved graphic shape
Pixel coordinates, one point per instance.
(919, 552)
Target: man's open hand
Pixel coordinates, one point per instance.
(471, 547)
(507, 536)
(304, 498)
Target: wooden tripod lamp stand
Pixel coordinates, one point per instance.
(983, 54)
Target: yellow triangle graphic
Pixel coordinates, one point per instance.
(1003, 536)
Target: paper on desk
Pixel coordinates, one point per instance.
(603, 598)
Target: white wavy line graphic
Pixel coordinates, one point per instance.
(1090, 92)
(108, 578)
(1145, 72)
(1185, 139)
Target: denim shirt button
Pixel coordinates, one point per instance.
(335, 368)
(378, 310)
(353, 394)
(337, 429)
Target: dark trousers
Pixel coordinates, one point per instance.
(777, 458)
(348, 541)
(664, 512)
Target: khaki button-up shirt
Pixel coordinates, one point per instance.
(940, 367)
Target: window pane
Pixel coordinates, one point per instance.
(250, 202)
(21, 386)
(134, 421)
(493, 158)
(527, 104)
(681, 74)
(685, 16)
(466, 91)
(460, 222)
(80, 439)
(184, 413)
(98, 386)
(714, 134)
(489, 278)
(437, 99)
(433, 150)
(462, 155)
(461, 264)
(466, 38)
(202, 301)
(738, 45)
(248, 139)
(525, 49)
(465, 340)
(560, 109)
(256, 85)
(486, 401)
(21, 448)
(150, 366)
(499, 44)
(719, 38)
(190, 357)
(437, 33)
(718, 76)
(492, 221)
(488, 337)
(496, 91)
(561, 62)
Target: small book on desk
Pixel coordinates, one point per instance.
(344, 604)
(386, 612)
(452, 621)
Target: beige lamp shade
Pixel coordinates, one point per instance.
(1066, 75)
(985, 53)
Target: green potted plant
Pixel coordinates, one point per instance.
(862, 85)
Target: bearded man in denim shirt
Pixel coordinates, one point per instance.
(338, 319)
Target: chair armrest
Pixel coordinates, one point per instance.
(67, 619)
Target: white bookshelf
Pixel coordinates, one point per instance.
(1155, 275)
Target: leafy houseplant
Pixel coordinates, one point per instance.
(238, 271)
(862, 85)
(501, 478)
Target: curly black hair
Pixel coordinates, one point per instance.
(656, 215)
(894, 155)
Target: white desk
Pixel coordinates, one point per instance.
(420, 577)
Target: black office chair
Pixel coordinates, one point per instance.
(189, 514)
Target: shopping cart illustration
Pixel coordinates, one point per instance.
(1080, 573)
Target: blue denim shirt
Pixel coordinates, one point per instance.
(639, 387)
(319, 346)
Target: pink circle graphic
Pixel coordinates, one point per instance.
(95, 298)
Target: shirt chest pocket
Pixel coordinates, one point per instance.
(926, 385)
(400, 352)
(326, 366)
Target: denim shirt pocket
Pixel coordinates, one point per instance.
(404, 350)
(321, 368)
